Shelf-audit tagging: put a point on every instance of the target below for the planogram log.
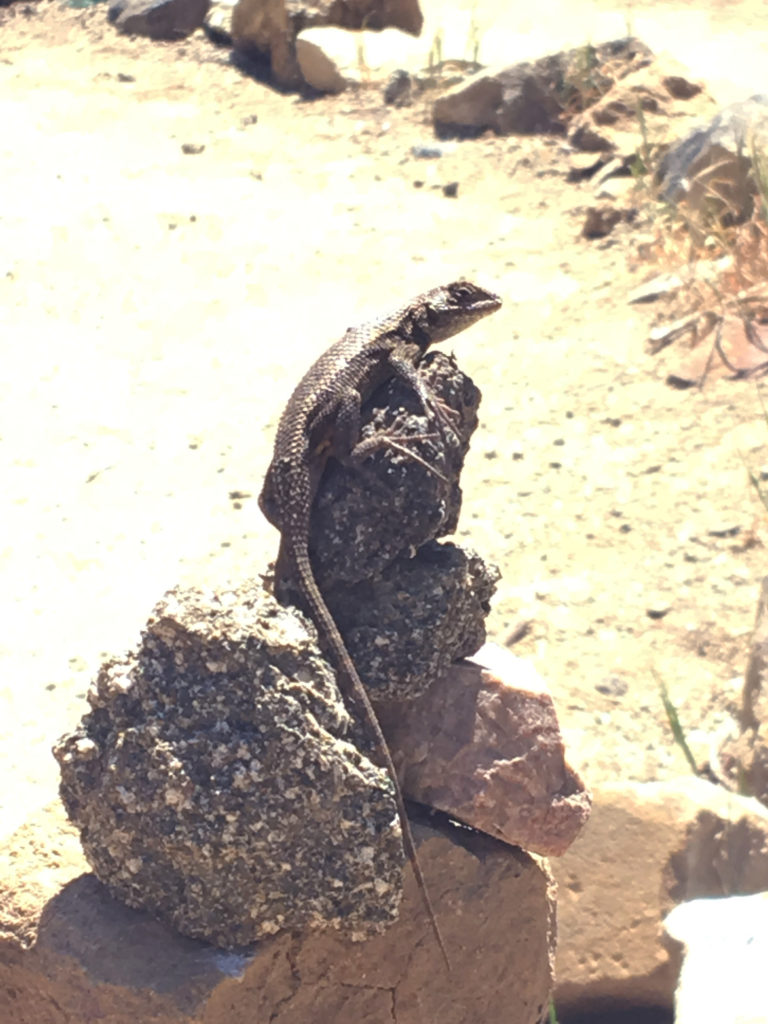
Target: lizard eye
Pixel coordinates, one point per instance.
(464, 291)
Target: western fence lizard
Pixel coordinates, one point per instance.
(321, 420)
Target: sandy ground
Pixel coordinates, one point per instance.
(158, 307)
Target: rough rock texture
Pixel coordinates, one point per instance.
(536, 96)
(330, 58)
(484, 745)
(215, 784)
(711, 169)
(648, 847)
(650, 101)
(725, 952)
(69, 954)
(159, 19)
(404, 628)
(267, 29)
(367, 515)
(745, 758)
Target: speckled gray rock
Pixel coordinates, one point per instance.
(367, 515)
(405, 627)
(214, 782)
(405, 605)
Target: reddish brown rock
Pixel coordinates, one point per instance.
(484, 745)
(69, 954)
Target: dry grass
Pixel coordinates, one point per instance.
(722, 257)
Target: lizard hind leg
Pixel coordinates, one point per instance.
(399, 443)
(286, 588)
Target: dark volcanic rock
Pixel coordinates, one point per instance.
(369, 513)
(404, 628)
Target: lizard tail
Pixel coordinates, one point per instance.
(356, 692)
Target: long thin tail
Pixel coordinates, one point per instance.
(329, 632)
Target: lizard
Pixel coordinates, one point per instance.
(322, 420)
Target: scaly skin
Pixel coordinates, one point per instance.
(322, 419)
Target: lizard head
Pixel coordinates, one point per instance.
(452, 308)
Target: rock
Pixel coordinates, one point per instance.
(711, 169)
(70, 954)
(534, 96)
(218, 22)
(616, 189)
(363, 521)
(399, 88)
(158, 19)
(583, 166)
(332, 58)
(650, 291)
(657, 845)
(601, 220)
(483, 745)
(405, 626)
(267, 29)
(428, 151)
(616, 168)
(214, 782)
(725, 952)
(322, 71)
(646, 104)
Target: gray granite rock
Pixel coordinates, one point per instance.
(214, 782)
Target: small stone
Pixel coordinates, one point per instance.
(658, 611)
(600, 221)
(399, 88)
(158, 19)
(192, 148)
(656, 288)
(427, 152)
(612, 687)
